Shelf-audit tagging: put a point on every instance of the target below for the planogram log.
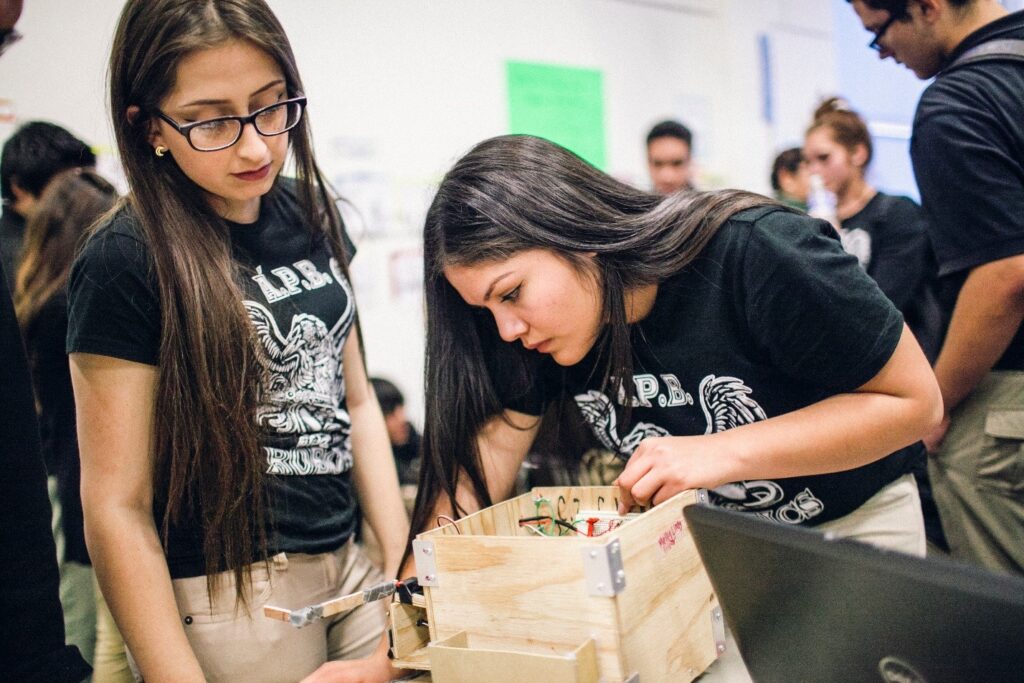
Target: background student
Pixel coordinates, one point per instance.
(966, 149)
(670, 157)
(789, 178)
(32, 622)
(405, 439)
(887, 234)
(72, 201)
(35, 153)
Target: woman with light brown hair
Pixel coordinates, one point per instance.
(886, 233)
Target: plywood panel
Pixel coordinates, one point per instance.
(665, 610)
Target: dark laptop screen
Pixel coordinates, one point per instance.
(803, 608)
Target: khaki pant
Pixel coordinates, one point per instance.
(978, 475)
(77, 599)
(890, 519)
(246, 646)
(110, 662)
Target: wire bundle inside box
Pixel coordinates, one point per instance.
(588, 523)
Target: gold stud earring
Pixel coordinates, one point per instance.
(160, 150)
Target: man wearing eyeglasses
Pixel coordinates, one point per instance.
(968, 154)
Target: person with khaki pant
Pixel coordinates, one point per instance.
(966, 149)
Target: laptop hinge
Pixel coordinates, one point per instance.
(718, 630)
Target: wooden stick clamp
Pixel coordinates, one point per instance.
(307, 615)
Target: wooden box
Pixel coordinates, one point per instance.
(635, 600)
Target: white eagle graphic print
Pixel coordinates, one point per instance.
(303, 412)
(599, 413)
(726, 403)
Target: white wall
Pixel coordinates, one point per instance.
(398, 89)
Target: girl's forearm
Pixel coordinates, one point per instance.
(132, 572)
(839, 433)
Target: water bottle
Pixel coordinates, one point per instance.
(821, 202)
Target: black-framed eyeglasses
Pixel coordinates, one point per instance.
(8, 37)
(875, 44)
(212, 135)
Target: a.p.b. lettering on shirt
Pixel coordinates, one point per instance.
(665, 390)
(299, 277)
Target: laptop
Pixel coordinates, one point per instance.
(806, 608)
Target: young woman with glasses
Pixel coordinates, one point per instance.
(228, 431)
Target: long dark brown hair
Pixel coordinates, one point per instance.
(513, 193)
(71, 202)
(209, 466)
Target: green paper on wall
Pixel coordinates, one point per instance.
(563, 104)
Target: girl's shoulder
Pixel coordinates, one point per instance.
(121, 225)
(116, 245)
(772, 227)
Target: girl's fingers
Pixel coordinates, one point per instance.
(643, 490)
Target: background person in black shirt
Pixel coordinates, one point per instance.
(31, 620)
(71, 202)
(35, 153)
(968, 153)
(886, 233)
(405, 440)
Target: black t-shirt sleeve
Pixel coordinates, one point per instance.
(113, 307)
(811, 306)
(899, 259)
(970, 186)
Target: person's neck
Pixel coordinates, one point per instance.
(640, 301)
(970, 19)
(854, 198)
(236, 212)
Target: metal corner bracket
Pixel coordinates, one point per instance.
(718, 630)
(426, 562)
(602, 569)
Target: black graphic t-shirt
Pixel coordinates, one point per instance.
(302, 309)
(772, 317)
(889, 237)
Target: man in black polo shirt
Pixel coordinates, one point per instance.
(968, 154)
